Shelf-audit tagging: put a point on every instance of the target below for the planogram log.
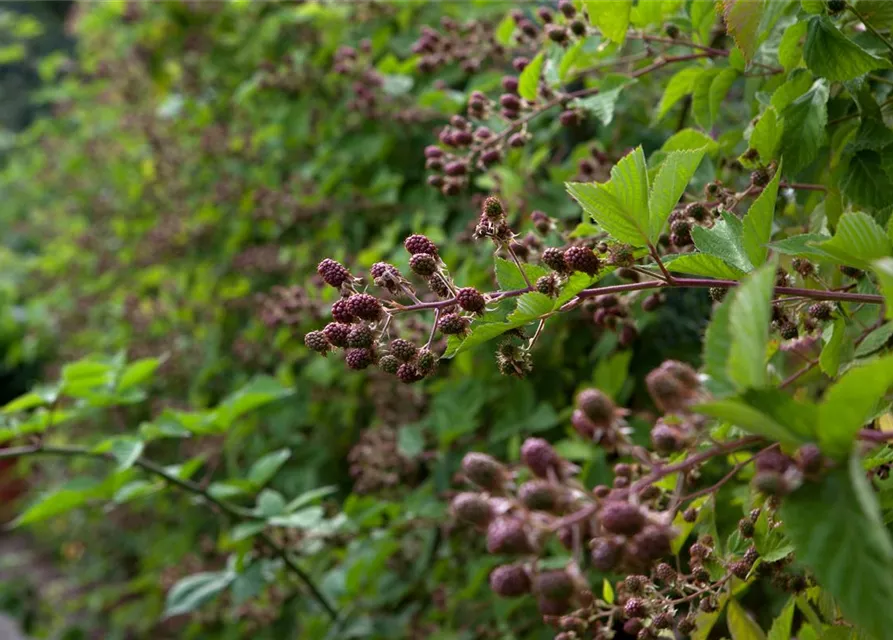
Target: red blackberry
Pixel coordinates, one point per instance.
(582, 259)
(341, 312)
(420, 244)
(358, 359)
(652, 302)
(506, 535)
(316, 341)
(423, 264)
(652, 542)
(381, 269)
(484, 471)
(452, 324)
(554, 259)
(597, 406)
(472, 508)
(360, 336)
(388, 364)
(403, 349)
(409, 373)
(364, 306)
(539, 456)
(821, 311)
(635, 608)
(333, 273)
(493, 207)
(510, 581)
(621, 518)
(470, 299)
(439, 286)
(605, 554)
(554, 585)
(337, 333)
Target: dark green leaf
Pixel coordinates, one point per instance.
(263, 470)
(865, 182)
(804, 127)
(833, 351)
(261, 391)
(875, 340)
(830, 54)
(708, 92)
(750, 315)
(741, 414)
(758, 222)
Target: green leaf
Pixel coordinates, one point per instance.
(717, 346)
(813, 6)
(865, 182)
(193, 591)
(875, 340)
(688, 139)
(859, 241)
(504, 31)
(709, 91)
(741, 625)
(529, 80)
(804, 127)
(750, 315)
(610, 16)
(303, 519)
(602, 104)
(740, 413)
(679, 86)
(531, 307)
(701, 264)
(798, 84)
(803, 246)
(569, 58)
(71, 496)
(30, 400)
(724, 240)
(672, 178)
(509, 277)
(742, 18)
(830, 54)
(270, 503)
(849, 553)
(877, 13)
(781, 626)
(883, 269)
(703, 17)
(263, 470)
(851, 402)
(260, 391)
(125, 449)
(757, 223)
(310, 496)
(832, 353)
(790, 49)
(138, 372)
(766, 135)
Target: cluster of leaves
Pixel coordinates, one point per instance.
(731, 161)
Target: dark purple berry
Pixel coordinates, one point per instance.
(403, 349)
(409, 373)
(333, 273)
(358, 358)
(567, 8)
(652, 542)
(556, 33)
(697, 211)
(554, 259)
(360, 336)
(540, 457)
(739, 569)
(420, 244)
(484, 471)
(539, 495)
(569, 118)
(472, 508)
(666, 439)
(547, 285)
(517, 140)
(621, 518)
(438, 286)
(635, 608)
(341, 312)
(510, 84)
(821, 311)
(759, 178)
(506, 535)
(432, 151)
(423, 264)
(652, 302)
(337, 334)
(597, 406)
(426, 361)
(435, 181)
(554, 585)
(549, 607)
(456, 168)
(519, 63)
(510, 581)
(605, 554)
(578, 28)
(452, 324)
(510, 102)
(632, 627)
(582, 259)
(364, 306)
(383, 269)
(664, 572)
(316, 341)
(470, 299)
(491, 157)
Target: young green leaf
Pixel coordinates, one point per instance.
(741, 625)
(830, 54)
(529, 80)
(508, 277)
(850, 402)
(790, 50)
(804, 127)
(883, 269)
(766, 135)
(702, 264)
(750, 315)
(670, 183)
(602, 104)
(708, 92)
(757, 223)
(610, 16)
(833, 352)
(679, 86)
(781, 626)
(858, 242)
(850, 553)
(725, 240)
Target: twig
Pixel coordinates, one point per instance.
(663, 269)
(514, 256)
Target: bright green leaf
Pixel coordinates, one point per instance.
(672, 178)
(750, 315)
(739, 413)
(610, 16)
(602, 104)
(790, 49)
(263, 470)
(757, 223)
(781, 626)
(261, 391)
(832, 353)
(725, 240)
(766, 135)
(865, 182)
(138, 372)
(883, 269)
(679, 86)
(804, 127)
(708, 92)
(509, 277)
(741, 625)
(742, 18)
(859, 241)
(529, 80)
(875, 340)
(702, 264)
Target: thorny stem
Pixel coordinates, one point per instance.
(153, 468)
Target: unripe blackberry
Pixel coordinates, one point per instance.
(544, 14)
(510, 102)
(582, 259)
(470, 299)
(547, 285)
(517, 140)
(452, 324)
(483, 133)
(652, 542)
(337, 334)
(426, 361)
(635, 608)
(803, 266)
(472, 508)
(424, 264)
(510, 581)
(358, 359)
(360, 336)
(851, 272)
(388, 364)
(687, 625)
(539, 495)
(635, 584)
(333, 273)
(456, 168)
(622, 255)
(493, 208)
(418, 243)
(628, 335)
(316, 341)
(671, 30)
(621, 483)
(759, 178)
(708, 604)
(341, 313)
(662, 620)
(519, 63)
(605, 554)
(690, 514)
(403, 349)
(554, 608)
(666, 438)
(556, 33)
(527, 28)
(632, 627)
(699, 573)
(718, 294)
(569, 118)
(540, 457)
(491, 157)
(664, 572)
(810, 459)
(697, 211)
(681, 228)
(506, 535)
(409, 373)
(438, 286)
(578, 28)
(787, 330)
(771, 483)
(510, 84)
(484, 471)
(746, 527)
(435, 181)
(739, 569)
(712, 189)
(698, 551)
(554, 585)
(567, 8)
(821, 311)
(555, 260)
(621, 518)
(601, 491)
(597, 406)
(652, 302)
(364, 306)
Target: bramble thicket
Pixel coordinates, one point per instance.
(469, 320)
